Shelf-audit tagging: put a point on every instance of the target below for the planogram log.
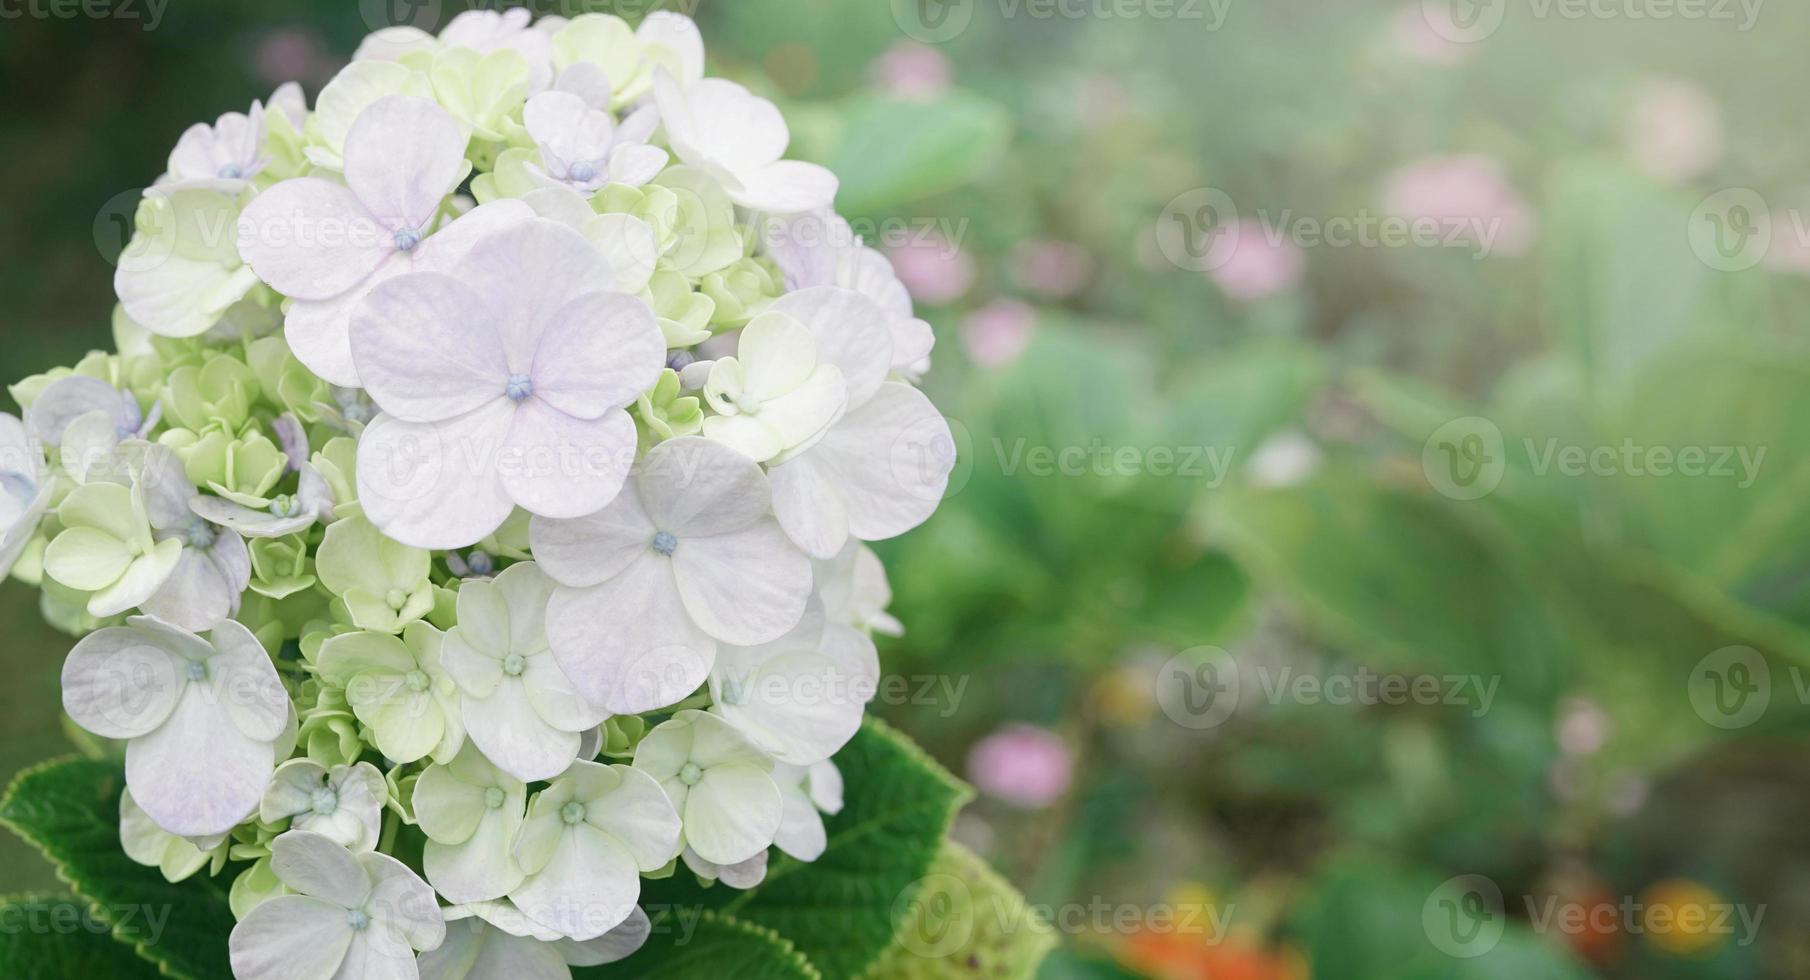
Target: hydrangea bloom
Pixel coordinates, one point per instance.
(401, 522)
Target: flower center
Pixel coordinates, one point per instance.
(418, 681)
(665, 543)
(583, 171)
(519, 388)
(481, 564)
(396, 599)
(285, 505)
(689, 774)
(325, 801)
(196, 670)
(493, 798)
(513, 665)
(572, 813)
(199, 536)
(358, 920)
(231, 172)
(679, 360)
(407, 239)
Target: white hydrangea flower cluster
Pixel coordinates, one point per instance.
(488, 458)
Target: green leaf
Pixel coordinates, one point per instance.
(53, 937)
(894, 152)
(714, 945)
(69, 810)
(964, 921)
(843, 910)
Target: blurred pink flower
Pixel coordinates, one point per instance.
(998, 332)
(934, 269)
(1023, 765)
(1583, 726)
(1673, 129)
(1052, 269)
(1468, 197)
(1413, 36)
(293, 54)
(1258, 265)
(909, 70)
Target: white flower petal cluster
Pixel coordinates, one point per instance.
(485, 473)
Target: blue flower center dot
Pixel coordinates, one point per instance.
(358, 920)
(199, 536)
(407, 239)
(519, 388)
(231, 172)
(689, 774)
(513, 665)
(572, 813)
(665, 543)
(583, 171)
(196, 670)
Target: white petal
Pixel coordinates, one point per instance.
(476, 950)
(693, 487)
(196, 596)
(290, 937)
(436, 486)
(651, 656)
(809, 506)
(599, 352)
(402, 901)
(427, 348)
(891, 459)
(311, 239)
(512, 735)
(588, 888)
(801, 831)
(614, 946)
(746, 587)
(567, 128)
(527, 272)
(732, 814)
(558, 466)
(246, 682)
(591, 550)
(320, 869)
(851, 333)
(197, 773)
(638, 813)
(785, 187)
(403, 156)
(481, 868)
(119, 683)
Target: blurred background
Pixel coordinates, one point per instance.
(1379, 549)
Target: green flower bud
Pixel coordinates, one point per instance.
(219, 392)
(666, 412)
(621, 734)
(683, 315)
(706, 238)
(337, 463)
(287, 385)
(742, 291)
(280, 567)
